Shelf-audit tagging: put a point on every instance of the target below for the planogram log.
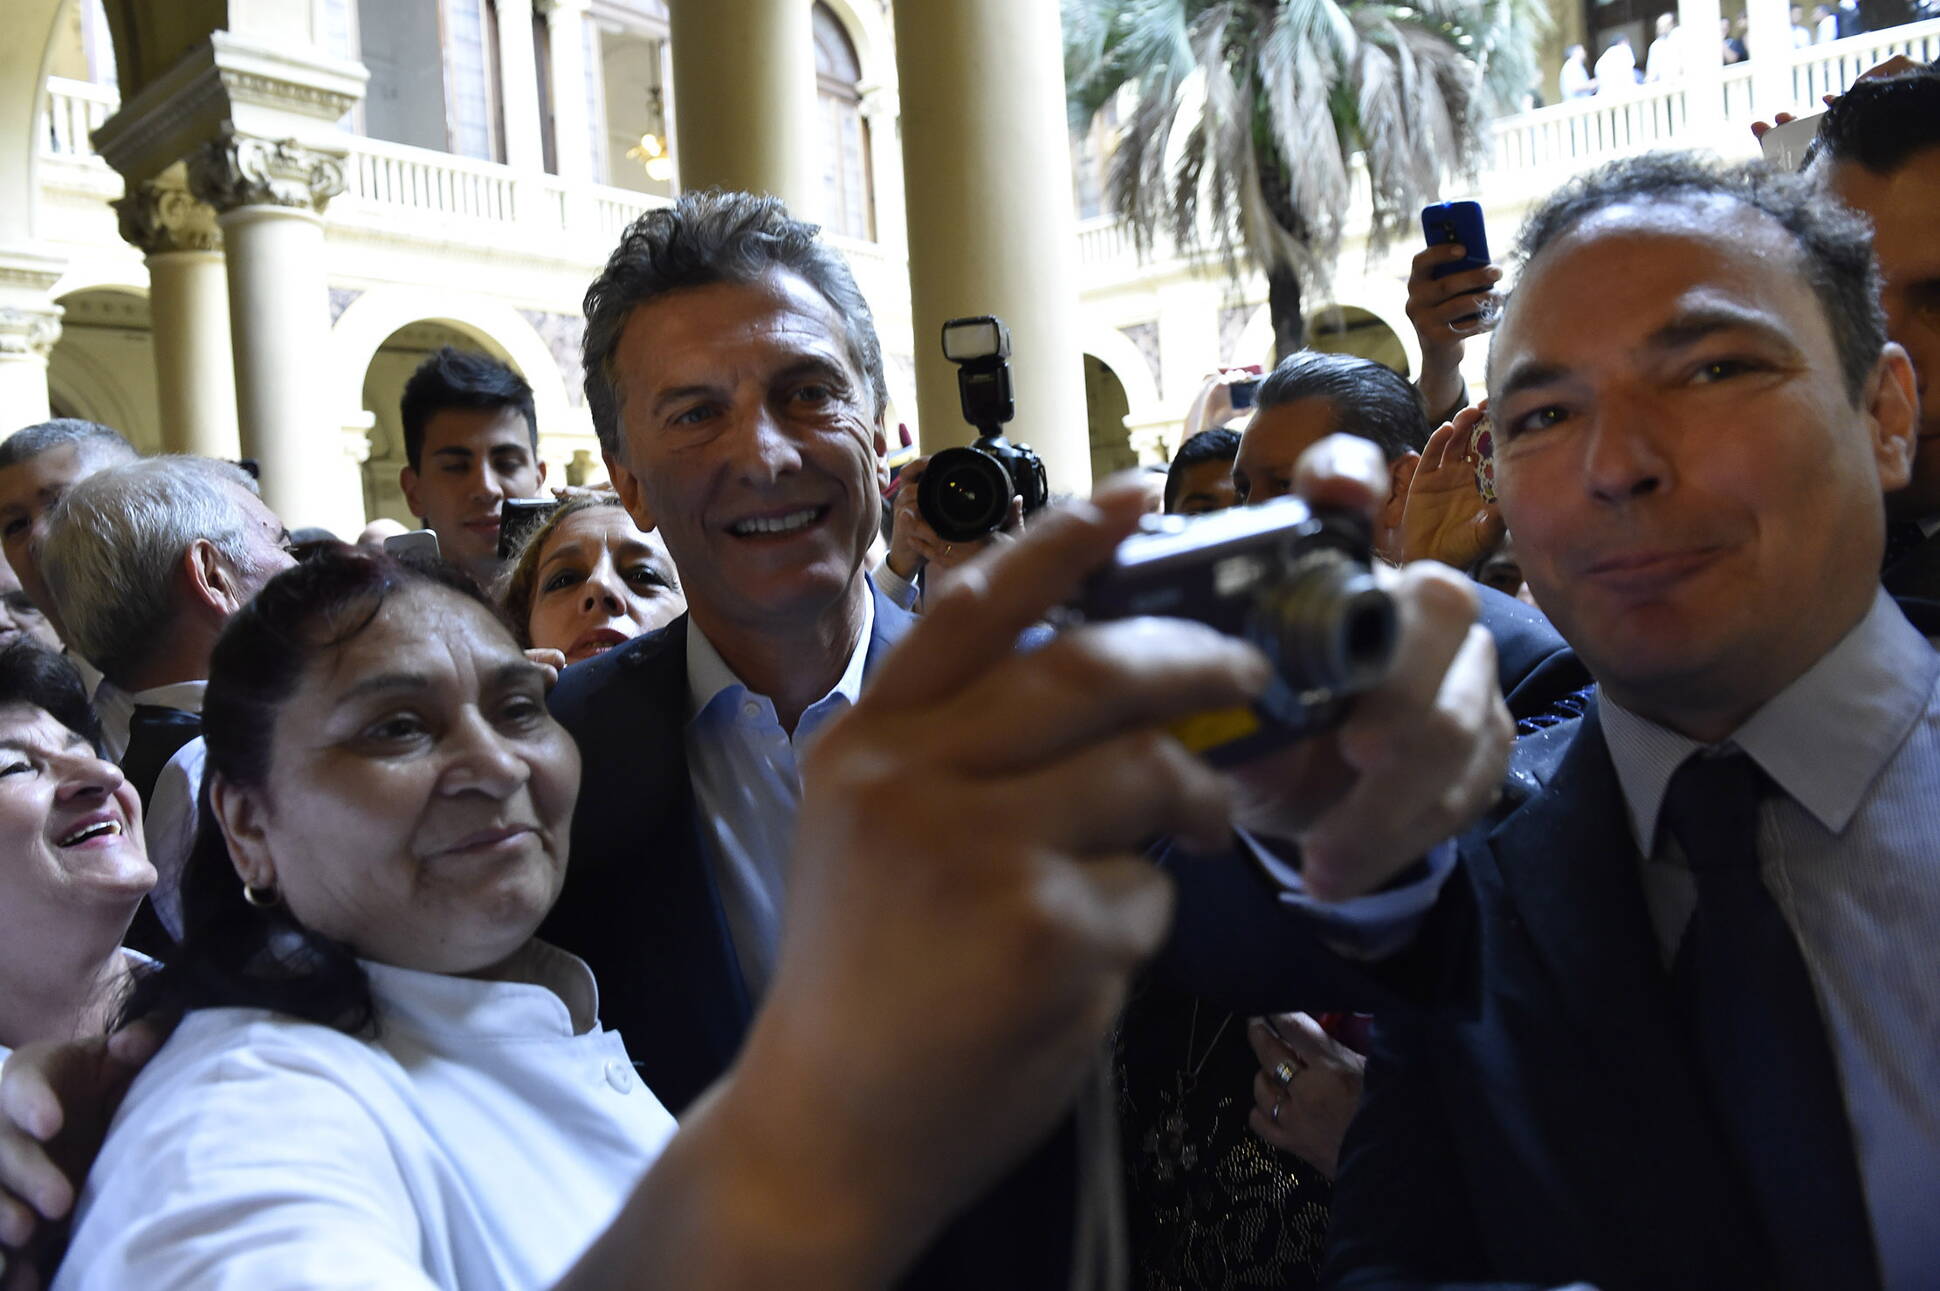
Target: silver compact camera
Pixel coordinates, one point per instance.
(1297, 583)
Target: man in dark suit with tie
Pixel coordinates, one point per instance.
(1670, 1023)
(736, 382)
(1878, 149)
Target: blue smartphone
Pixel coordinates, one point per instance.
(1459, 222)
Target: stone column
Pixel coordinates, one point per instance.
(519, 85)
(30, 323)
(991, 225)
(744, 92)
(188, 300)
(572, 132)
(1703, 59)
(1768, 45)
(269, 197)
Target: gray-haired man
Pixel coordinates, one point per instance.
(145, 562)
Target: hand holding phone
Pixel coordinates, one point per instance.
(1457, 222)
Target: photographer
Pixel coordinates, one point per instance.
(915, 550)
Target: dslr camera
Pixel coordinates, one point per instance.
(965, 493)
(1296, 582)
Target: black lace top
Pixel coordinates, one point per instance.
(1209, 1206)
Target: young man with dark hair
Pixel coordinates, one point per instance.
(1312, 395)
(471, 440)
(1670, 1023)
(1878, 150)
(1200, 478)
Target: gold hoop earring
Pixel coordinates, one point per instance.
(262, 898)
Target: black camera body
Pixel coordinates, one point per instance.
(1295, 582)
(965, 493)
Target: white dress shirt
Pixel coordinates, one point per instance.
(747, 778)
(486, 1136)
(111, 706)
(169, 825)
(1848, 851)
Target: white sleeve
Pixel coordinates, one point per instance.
(251, 1170)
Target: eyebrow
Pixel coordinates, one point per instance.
(387, 682)
(1681, 332)
(452, 450)
(808, 365)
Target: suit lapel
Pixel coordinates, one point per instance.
(1568, 866)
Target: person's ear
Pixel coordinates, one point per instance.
(542, 472)
(407, 479)
(1891, 403)
(881, 440)
(1401, 478)
(632, 496)
(211, 583)
(243, 815)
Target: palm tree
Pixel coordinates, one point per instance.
(1274, 97)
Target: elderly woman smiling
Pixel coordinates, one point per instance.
(588, 579)
(72, 868)
(383, 1079)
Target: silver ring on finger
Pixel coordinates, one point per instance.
(1278, 1103)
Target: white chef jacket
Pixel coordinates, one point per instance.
(483, 1140)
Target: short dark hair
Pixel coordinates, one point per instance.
(1835, 245)
(1881, 122)
(1216, 445)
(30, 442)
(232, 953)
(466, 379)
(1370, 399)
(705, 238)
(33, 675)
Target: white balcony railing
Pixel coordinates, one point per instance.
(74, 110)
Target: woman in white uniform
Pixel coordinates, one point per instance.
(384, 1080)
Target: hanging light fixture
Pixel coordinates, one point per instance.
(651, 152)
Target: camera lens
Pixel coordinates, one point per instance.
(964, 493)
(1329, 625)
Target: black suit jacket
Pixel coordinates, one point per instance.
(1533, 1119)
(1917, 573)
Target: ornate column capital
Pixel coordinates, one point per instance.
(161, 215)
(236, 170)
(30, 321)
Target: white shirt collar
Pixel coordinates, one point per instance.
(1824, 739)
(540, 989)
(708, 675)
(185, 695)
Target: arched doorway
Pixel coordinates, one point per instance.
(103, 367)
(390, 367)
(1106, 408)
(1348, 329)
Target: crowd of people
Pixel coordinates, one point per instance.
(720, 879)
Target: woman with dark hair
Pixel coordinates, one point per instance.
(72, 865)
(589, 579)
(383, 1079)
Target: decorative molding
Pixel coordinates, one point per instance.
(1146, 337)
(161, 215)
(237, 170)
(355, 442)
(29, 333)
(563, 334)
(230, 83)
